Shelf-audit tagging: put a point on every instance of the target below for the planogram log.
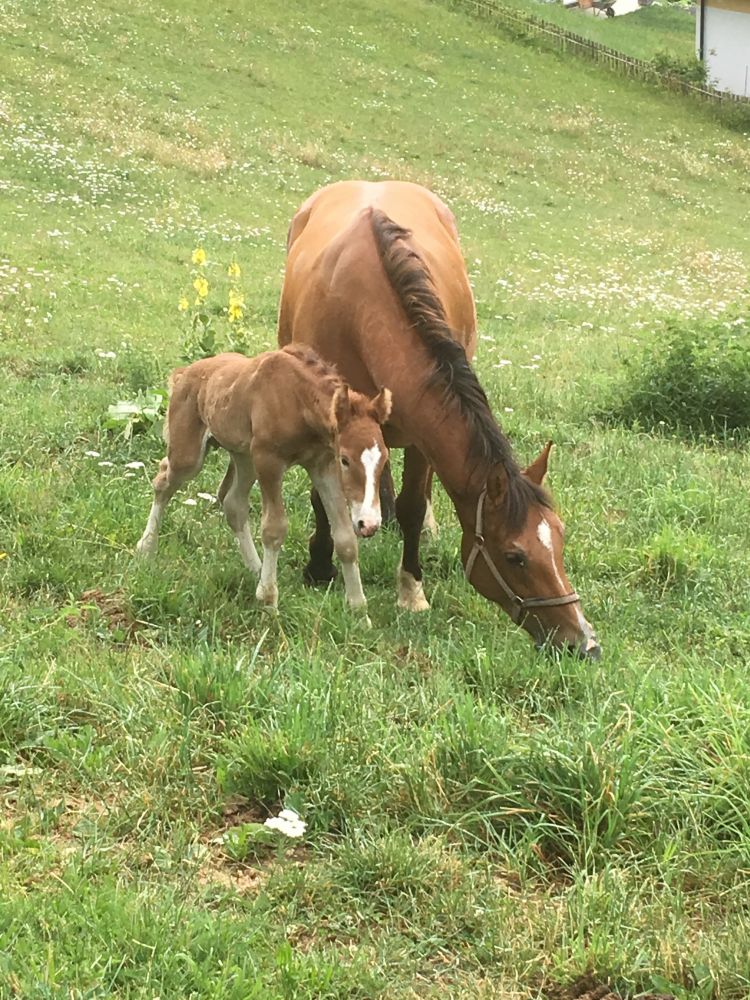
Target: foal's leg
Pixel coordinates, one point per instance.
(226, 483)
(241, 476)
(186, 453)
(320, 568)
(270, 471)
(411, 504)
(326, 482)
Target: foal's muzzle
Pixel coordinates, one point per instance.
(366, 529)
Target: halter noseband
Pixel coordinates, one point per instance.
(519, 604)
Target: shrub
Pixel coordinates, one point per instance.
(692, 379)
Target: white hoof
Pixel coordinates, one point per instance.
(268, 595)
(411, 593)
(146, 547)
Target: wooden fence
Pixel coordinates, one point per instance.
(523, 25)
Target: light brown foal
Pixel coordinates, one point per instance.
(279, 409)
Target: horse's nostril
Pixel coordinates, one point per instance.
(361, 525)
(591, 651)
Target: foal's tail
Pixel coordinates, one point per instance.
(174, 377)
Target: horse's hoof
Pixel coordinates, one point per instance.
(411, 593)
(268, 596)
(146, 548)
(315, 576)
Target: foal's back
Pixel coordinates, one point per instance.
(280, 396)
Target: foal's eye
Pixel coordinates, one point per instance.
(516, 558)
(345, 461)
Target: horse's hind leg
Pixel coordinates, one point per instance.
(240, 476)
(186, 453)
(320, 568)
(411, 505)
(429, 525)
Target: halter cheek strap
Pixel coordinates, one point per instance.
(519, 605)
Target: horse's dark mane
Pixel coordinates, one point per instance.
(412, 282)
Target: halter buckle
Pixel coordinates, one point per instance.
(479, 540)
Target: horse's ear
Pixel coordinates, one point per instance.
(538, 468)
(497, 483)
(341, 406)
(381, 405)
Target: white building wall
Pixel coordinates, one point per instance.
(726, 45)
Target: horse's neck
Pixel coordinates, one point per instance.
(443, 436)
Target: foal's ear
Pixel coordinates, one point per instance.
(497, 482)
(381, 405)
(341, 406)
(538, 468)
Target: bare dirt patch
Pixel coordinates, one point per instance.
(587, 988)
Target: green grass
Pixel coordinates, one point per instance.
(481, 822)
(643, 34)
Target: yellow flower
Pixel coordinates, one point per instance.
(3, 555)
(199, 256)
(201, 287)
(183, 305)
(234, 270)
(236, 305)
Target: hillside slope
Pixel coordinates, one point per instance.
(482, 821)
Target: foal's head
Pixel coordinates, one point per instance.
(513, 556)
(361, 453)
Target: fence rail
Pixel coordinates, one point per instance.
(524, 25)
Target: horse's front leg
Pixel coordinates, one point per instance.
(320, 568)
(270, 472)
(411, 505)
(328, 486)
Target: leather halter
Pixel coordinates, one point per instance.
(519, 604)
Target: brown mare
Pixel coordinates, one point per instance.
(375, 282)
(279, 409)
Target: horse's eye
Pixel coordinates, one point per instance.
(345, 461)
(516, 558)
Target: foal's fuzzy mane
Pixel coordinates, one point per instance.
(413, 284)
(327, 377)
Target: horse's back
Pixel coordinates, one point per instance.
(332, 259)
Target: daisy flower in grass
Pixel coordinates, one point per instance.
(287, 822)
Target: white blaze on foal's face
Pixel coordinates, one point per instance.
(366, 511)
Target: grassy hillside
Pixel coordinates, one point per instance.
(481, 822)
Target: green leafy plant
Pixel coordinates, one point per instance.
(692, 379)
(133, 416)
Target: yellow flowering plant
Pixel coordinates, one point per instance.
(205, 336)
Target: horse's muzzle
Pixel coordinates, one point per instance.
(589, 649)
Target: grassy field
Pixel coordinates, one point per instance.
(482, 822)
(644, 34)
